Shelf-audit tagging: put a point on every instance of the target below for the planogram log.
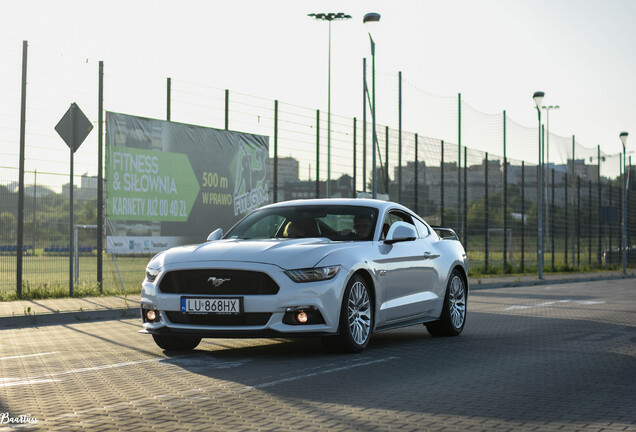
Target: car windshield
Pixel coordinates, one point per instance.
(335, 222)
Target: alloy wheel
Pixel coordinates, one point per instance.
(457, 302)
(359, 313)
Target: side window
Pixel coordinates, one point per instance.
(422, 229)
(393, 217)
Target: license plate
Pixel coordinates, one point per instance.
(215, 305)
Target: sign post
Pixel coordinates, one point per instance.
(74, 127)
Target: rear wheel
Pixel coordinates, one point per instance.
(453, 318)
(176, 343)
(356, 318)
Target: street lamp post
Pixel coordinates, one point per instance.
(538, 98)
(623, 137)
(329, 16)
(371, 20)
(547, 162)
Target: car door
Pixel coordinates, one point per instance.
(409, 271)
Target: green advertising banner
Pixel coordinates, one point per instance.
(171, 183)
(144, 183)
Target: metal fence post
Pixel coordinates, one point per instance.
(578, 221)
(459, 119)
(589, 224)
(227, 109)
(523, 214)
(399, 138)
(276, 150)
(628, 202)
(573, 185)
(566, 218)
(70, 204)
(100, 179)
(317, 153)
(608, 223)
(505, 197)
(459, 157)
(465, 198)
(20, 242)
(364, 124)
(355, 140)
(458, 222)
(541, 227)
(168, 97)
(415, 180)
(441, 189)
(486, 224)
(552, 220)
(622, 242)
(600, 228)
(386, 159)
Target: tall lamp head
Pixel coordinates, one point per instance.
(538, 98)
(371, 20)
(623, 137)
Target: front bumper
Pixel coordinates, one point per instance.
(272, 310)
(233, 334)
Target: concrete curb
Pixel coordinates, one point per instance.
(511, 284)
(40, 320)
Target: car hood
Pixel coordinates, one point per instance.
(284, 253)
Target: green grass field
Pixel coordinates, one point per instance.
(47, 276)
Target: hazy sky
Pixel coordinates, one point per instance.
(496, 53)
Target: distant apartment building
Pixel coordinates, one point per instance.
(287, 170)
(86, 191)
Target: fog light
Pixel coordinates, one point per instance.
(302, 317)
(151, 315)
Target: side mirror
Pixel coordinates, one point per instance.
(399, 232)
(217, 234)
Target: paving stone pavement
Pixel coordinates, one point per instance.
(555, 357)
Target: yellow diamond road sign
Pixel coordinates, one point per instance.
(81, 127)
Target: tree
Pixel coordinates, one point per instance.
(7, 227)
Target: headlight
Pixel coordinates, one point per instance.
(313, 274)
(152, 273)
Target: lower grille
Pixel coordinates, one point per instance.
(244, 319)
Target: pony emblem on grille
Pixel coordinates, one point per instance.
(217, 282)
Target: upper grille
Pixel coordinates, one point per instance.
(241, 282)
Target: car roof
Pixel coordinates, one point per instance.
(359, 202)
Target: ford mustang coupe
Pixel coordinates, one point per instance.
(341, 269)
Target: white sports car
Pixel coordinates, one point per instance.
(337, 268)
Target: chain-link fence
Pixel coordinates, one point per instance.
(490, 200)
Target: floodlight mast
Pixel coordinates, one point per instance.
(538, 99)
(371, 20)
(329, 16)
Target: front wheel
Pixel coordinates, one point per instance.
(176, 343)
(356, 318)
(453, 318)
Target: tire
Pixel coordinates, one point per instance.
(176, 343)
(356, 318)
(453, 318)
